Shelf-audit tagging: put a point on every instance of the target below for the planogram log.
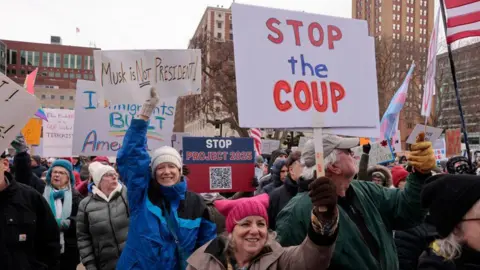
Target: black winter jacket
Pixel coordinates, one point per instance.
(412, 242)
(29, 235)
(24, 173)
(280, 197)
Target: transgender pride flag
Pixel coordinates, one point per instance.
(389, 123)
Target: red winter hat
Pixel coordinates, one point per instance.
(236, 210)
(69, 159)
(398, 174)
(101, 159)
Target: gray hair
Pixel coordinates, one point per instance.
(308, 172)
(450, 247)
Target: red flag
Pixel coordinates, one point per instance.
(30, 81)
(463, 19)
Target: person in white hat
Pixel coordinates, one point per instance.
(102, 220)
(167, 222)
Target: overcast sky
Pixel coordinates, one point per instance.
(129, 24)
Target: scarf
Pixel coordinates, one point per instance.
(99, 193)
(61, 210)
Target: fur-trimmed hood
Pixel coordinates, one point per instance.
(384, 170)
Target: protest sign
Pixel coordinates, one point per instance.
(312, 69)
(127, 76)
(219, 164)
(99, 131)
(431, 134)
(17, 106)
(268, 146)
(58, 133)
(454, 142)
(380, 153)
(32, 131)
(38, 149)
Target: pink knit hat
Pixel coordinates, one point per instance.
(236, 210)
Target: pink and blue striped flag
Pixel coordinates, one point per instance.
(30, 86)
(389, 122)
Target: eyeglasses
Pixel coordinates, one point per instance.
(59, 173)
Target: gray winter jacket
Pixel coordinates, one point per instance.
(102, 229)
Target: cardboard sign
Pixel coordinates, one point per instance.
(268, 146)
(380, 153)
(58, 133)
(99, 131)
(17, 106)
(32, 131)
(219, 164)
(298, 72)
(454, 142)
(431, 135)
(127, 76)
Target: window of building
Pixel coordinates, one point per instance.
(70, 97)
(65, 75)
(72, 61)
(79, 62)
(58, 75)
(45, 59)
(65, 61)
(51, 74)
(219, 35)
(231, 26)
(219, 24)
(51, 59)
(85, 76)
(86, 63)
(44, 96)
(72, 76)
(12, 57)
(52, 96)
(78, 76)
(61, 107)
(58, 61)
(231, 36)
(62, 97)
(22, 72)
(23, 60)
(90, 76)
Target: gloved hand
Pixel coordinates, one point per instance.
(255, 182)
(366, 148)
(150, 104)
(323, 194)
(185, 170)
(421, 156)
(19, 144)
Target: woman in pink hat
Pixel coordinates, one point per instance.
(249, 244)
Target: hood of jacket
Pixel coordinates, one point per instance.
(273, 157)
(216, 249)
(382, 169)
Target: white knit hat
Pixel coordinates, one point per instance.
(98, 170)
(165, 154)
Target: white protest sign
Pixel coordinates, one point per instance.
(380, 152)
(268, 146)
(431, 135)
(17, 106)
(397, 142)
(429, 89)
(58, 133)
(351, 132)
(99, 131)
(127, 76)
(298, 64)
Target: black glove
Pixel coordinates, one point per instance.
(255, 182)
(323, 193)
(185, 170)
(366, 148)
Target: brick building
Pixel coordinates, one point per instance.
(59, 68)
(407, 25)
(467, 61)
(216, 22)
(3, 58)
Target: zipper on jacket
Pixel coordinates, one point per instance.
(113, 229)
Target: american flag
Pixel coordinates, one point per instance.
(389, 123)
(463, 19)
(256, 135)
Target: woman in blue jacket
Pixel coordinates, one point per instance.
(167, 222)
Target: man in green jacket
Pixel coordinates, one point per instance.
(368, 213)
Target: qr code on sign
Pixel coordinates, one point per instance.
(220, 177)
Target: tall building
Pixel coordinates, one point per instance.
(59, 68)
(467, 60)
(216, 26)
(405, 27)
(3, 58)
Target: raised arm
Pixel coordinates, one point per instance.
(133, 160)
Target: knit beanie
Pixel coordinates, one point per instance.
(236, 210)
(398, 174)
(64, 164)
(98, 170)
(165, 154)
(449, 197)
